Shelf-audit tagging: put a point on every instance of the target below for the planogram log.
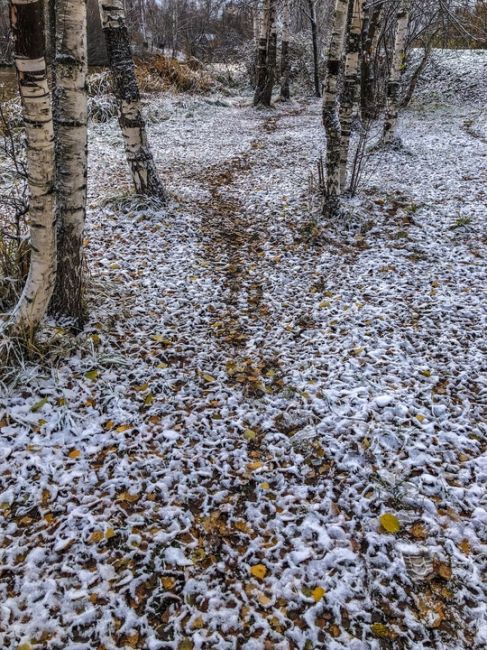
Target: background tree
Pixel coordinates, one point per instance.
(126, 90)
(398, 60)
(267, 54)
(310, 10)
(285, 94)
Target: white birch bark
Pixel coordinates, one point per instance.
(349, 95)
(266, 56)
(393, 86)
(71, 154)
(26, 17)
(261, 54)
(331, 114)
(132, 124)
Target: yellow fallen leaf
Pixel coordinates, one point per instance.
(149, 400)
(420, 418)
(141, 388)
(75, 453)
(126, 496)
(198, 623)
(158, 338)
(381, 631)
(265, 485)
(38, 405)
(123, 427)
(92, 375)
(96, 536)
(258, 571)
(168, 582)
(264, 600)
(109, 533)
(256, 464)
(208, 378)
(187, 644)
(390, 523)
(249, 434)
(318, 593)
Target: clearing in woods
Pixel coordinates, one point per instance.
(270, 433)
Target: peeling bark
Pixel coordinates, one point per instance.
(349, 94)
(132, 124)
(70, 101)
(331, 115)
(26, 17)
(394, 84)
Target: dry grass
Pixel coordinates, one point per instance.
(160, 73)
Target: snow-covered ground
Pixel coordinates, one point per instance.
(208, 465)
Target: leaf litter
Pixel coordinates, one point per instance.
(230, 454)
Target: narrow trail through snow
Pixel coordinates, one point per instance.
(206, 466)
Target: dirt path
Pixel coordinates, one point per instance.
(209, 463)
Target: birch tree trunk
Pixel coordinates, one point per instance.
(349, 94)
(371, 39)
(285, 94)
(261, 53)
(70, 113)
(26, 18)
(271, 54)
(132, 124)
(331, 115)
(267, 55)
(316, 56)
(394, 84)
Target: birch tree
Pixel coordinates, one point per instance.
(394, 83)
(70, 101)
(126, 90)
(314, 39)
(26, 18)
(371, 32)
(260, 71)
(331, 115)
(285, 94)
(267, 54)
(350, 90)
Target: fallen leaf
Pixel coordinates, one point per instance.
(75, 453)
(123, 427)
(381, 631)
(38, 405)
(249, 434)
(418, 530)
(390, 523)
(92, 375)
(317, 594)
(264, 600)
(258, 571)
(256, 464)
(96, 536)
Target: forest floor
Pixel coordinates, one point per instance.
(271, 433)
